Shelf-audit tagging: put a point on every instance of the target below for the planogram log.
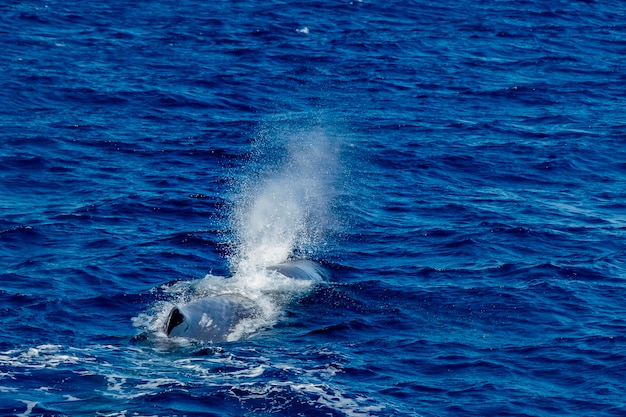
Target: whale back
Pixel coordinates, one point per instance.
(212, 318)
(301, 270)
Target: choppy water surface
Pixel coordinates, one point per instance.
(459, 169)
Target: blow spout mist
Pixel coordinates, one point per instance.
(284, 209)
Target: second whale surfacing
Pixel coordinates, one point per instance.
(214, 318)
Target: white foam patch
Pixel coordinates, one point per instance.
(157, 383)
(29, 408)
(337, 400)
(318, 394)
(40, 357)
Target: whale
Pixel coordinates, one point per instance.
(214, 318)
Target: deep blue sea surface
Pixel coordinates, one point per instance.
(458, 167)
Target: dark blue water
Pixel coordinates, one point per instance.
(459, 168)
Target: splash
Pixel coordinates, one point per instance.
(283, 205)
(282, 210)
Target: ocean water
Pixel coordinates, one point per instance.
(458, 168)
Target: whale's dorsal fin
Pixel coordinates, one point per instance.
(173, 320)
